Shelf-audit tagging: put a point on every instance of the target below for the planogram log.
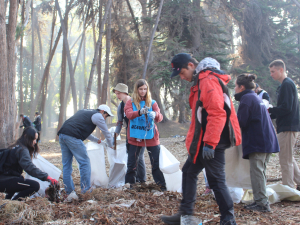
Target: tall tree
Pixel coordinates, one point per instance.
(32, 110)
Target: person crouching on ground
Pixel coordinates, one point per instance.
(258, 138)
(19, 158)
(214, 127)
(142, 112)
(121, 91)
(71, 136)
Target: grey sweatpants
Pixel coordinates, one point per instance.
(258, 165)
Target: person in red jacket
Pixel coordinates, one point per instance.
(214, 127)
(143, 113)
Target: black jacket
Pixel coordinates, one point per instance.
(26, 122)
(37, 123)
(287, 110)
(18, 160)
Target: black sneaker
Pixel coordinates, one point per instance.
(174, 220)
(261, 208)
(250, 205)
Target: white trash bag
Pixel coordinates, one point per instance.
(46, 167)
(167, 162)
(97, 158)
(236, 194)
(118, 165)
(112, 131)
(174, 181)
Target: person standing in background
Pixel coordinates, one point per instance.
(121, 91)
(287, 118)
(38, 125)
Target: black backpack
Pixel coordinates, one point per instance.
(3, 155)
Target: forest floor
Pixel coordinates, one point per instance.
(148, 205)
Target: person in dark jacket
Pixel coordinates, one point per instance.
(288, 123)
(19, 158)
(26, 121)
(262, 94)
(258, 138)
(38, 124)
(71, 136)
(121, 91)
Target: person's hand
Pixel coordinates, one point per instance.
(52, 180)
(143, 110)
(152, 115)
(99, 141)
(20, 126)
(208, 153)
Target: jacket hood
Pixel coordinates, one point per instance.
(218, 73)
(238, 96)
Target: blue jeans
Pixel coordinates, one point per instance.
(132, 163)
(70, 147)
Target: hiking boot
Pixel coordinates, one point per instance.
(250, 205)
(261, 208)
(175, 219)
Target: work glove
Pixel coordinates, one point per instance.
(144, 110)
(208, 153)
(52, 180)
(99, 141)
(152, 115)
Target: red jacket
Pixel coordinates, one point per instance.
(213, 101)
(130, 114)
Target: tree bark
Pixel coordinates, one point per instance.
(32, 64)
(99, 80)
(66, 44)
(106, 72)
(21, 63)
(88, 91)
(4, 109)
(152, 37)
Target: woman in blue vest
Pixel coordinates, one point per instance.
(258, 138)
(142, 113)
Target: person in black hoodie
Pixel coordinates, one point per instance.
(258, 138)
(38, 125)
(26, 121)
(19, 158)
(288, 123)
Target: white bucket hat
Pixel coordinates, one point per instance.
(208, 63)
(106, 109)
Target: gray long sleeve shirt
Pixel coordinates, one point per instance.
(99, 121)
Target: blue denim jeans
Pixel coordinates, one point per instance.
(70, 147)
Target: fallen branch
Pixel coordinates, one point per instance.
(274, 179)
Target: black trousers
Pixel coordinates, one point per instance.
(215, 172)
(132, 163)
(25, 188)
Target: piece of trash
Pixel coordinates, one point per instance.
(71, 196)
(176, 136)
(158, 193)
(92, 219)
(122, 203)
(190, 220)
(92, 202)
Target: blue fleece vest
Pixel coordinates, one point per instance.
(141, 128)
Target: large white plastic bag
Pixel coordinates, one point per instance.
(46, 167)
(237, 169)
(168, 164)
(118, 165)
(174, 181)
(97, 158)
(236, 194)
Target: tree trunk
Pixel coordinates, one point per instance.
(88, 91)
(152, 37)
(21, 63)
(32, 64)
(4, 109)
(106, 72)
(66, 45)
(99, 81)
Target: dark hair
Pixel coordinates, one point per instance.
(37, 113)
(26, 140)
(192, 60)
(247, 80)
(21, 115)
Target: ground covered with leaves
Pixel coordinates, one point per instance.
(142, 205)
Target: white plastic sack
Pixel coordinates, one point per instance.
(118, 165)
(236, 194)
(46, 167)
(237, 169)
(97, 158)
(174, 181)
(168, 164)
(112, 131)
